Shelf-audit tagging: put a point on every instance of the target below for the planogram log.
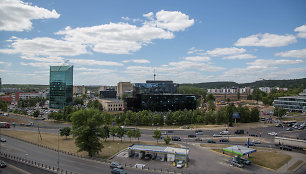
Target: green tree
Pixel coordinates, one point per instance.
(137, 134)
(36, 113)
(113, 132)
(120, 132)
(238, 95)
(130, 134)
(167, 139)
(65, 132)
(256, 94)
(95, 104)
(86, 128)
(210, 97)
(211, 106)
(78, 101)
(279, 112)
(229, 110)
(3, 106)
(254, 115)
(157, 135)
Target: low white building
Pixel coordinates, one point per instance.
(112, 104)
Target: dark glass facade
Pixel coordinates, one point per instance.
(61, 86)
(108, 93)
(156, 87)
(161, 102)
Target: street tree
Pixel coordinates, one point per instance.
(120, 132)
(87, 128)
(137, 134)
(157, 135)
(113, 132)
(36, 113)
(65, 132)
(167, 139)
(130, 134)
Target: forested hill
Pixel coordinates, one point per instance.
(294, 83)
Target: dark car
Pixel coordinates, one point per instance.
(2, 139)
(239, 132)
(250, 144)
(224, 140)
(278, 125)
(192, 136)
(245, 161)
(170, 131)
(116, 165)
(211, 141)
(118, 171)
(148, 156)
(175, 138)
(253, 135)
(198, 139)
(289, 129)
(2, 164)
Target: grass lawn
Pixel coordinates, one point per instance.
(110, 147)
(268, 158)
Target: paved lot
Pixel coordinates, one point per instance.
(201, 161)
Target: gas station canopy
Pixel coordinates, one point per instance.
(239, 150)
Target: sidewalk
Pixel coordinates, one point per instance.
(295, 157)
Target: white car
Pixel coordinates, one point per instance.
(256, 141)
(164, 133)
(217, 135)
(224, 133)
(272, 133)
(180, 164)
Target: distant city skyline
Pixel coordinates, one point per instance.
(185, 41)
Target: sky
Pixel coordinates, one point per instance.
(187, 41)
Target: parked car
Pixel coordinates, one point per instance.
(235, 162)
(289, 129)
(272, 133)
(148, 156)
(211, 141)
(224, 133)
(192, 136)
(278, 125)
(245, 161)
(175, 138)
(2, 164)
(288, 148)
(2, 139)
(224, 140)
(164, 133)
(301, 128)
(21, 124)
(253, 135)
(217, 135)
(199, 132)
(180, 164)
(239, 131)
(250, 144)
(256, 141)
(198, 139)
(116, 165)
(118, 171)
(170, 131)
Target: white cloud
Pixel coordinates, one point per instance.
(16, 15)
(125, 18)
(301, 31)
(94, 62)
(198, 58)
(137, 61)
(266, 40)
(193, 50)
(92, 71)
(173, 20)
(293, 53)
(45, 59)
(225, 51)
(183, 65)
(149, 15)
(40, 64)
(268, 63)
(240, 56)
(115, 38)
(44, 46)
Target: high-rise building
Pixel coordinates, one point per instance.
(0, 84)
(124, 88)
(61, 86)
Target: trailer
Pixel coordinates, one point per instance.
(287, 143)
(4, 125)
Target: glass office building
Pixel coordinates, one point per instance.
(61, 86)
(156, 87)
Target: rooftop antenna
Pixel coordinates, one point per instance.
(66, 62)
(154, 74)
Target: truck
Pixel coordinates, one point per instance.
(286, 143)
(4, 125)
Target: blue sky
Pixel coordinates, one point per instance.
(185, 41)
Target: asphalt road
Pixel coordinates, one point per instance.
(49, 157)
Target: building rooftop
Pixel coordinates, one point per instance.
(60, 68)
(294, 97)
(239, 150)
(110, 100)
(162, 149)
